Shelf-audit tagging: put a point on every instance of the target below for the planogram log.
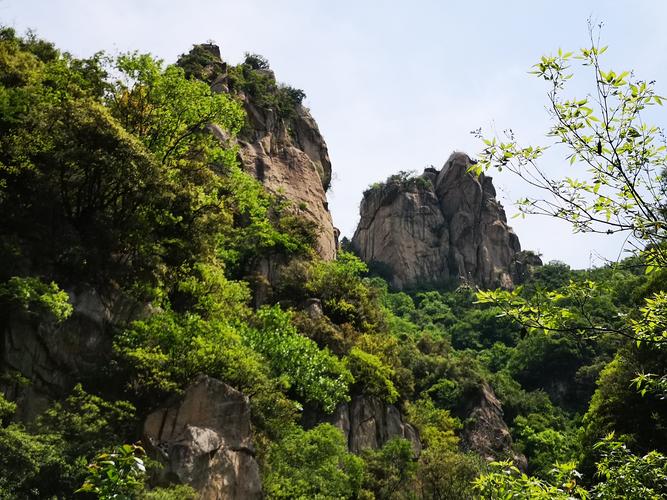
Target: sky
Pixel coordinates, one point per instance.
(393, 85)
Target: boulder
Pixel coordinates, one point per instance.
(204, 440)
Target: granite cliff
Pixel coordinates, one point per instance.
(281, 144)
(440, 226)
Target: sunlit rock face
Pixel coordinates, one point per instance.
(287, 154)
(204, 439)
(439, 227)
(294, 162)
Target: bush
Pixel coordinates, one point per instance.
(312, 464)
(390, 471)
(316, 376)
(372, 375)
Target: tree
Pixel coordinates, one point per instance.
(624, 156)
(621, 189)
(117, 475)
(313, 464)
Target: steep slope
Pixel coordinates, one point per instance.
(281, 144)
(438, 227)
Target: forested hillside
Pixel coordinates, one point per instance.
(174, 325)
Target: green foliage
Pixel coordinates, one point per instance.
(207, 292)
(116, 475)
(619, 189)
(345, 298)
(166, 351)
(202, 62)
(371, 374)
(29, 463)
(316, 376)
(443, 472)
(313, 464)
(255, 78)
(391, 470)
(550, 276)
(178, 492)
(618, 407)
(518, 401)
(134, 194)
(169, 112)
(7, 408)
(506, 481)
(436, 426)
(32, 294)
(86, 423)
(624, 475)
(48, 459)
(448, 475)
(405, 180)
(544, 444)
(622, 154)
(621, 473)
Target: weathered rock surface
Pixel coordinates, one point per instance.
(438, 227)
(486, 432)
(54, 356)
(294, 162)
(368, 423)
(289, 156)
(204, 440)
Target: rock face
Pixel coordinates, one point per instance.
(204, 439)
(486, 432)
(288, 155)
(368, 423)
(53, 356)
(438, 227)
(293, 162)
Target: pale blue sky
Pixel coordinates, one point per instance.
(393, 85)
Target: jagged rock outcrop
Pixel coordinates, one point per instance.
(485, 431)
(288, 155)
(204, 440)
(294, 162)
(368, 423)
(438, 227)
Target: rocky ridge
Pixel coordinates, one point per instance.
(438, 227)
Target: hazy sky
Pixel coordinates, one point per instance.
(393, 85)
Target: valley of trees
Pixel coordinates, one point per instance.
(110, 180)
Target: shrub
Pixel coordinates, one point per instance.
(315, 376)
(313, 464)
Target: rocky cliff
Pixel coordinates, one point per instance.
(441, 226)
(281, 144)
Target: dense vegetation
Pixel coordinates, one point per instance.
(110, 180)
